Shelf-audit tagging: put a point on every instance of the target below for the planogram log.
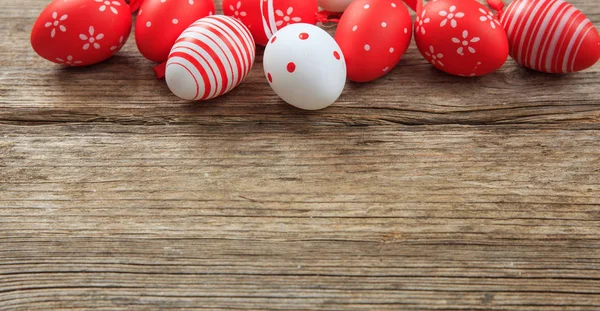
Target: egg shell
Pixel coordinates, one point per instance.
(550, 36)
(160, 22)
(461, 37)
(305, 66)
(374, 35)
(81, 32)
(334, 5)
(266, 17)
(210, 58)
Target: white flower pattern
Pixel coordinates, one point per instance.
(111, 5)
(421, 21)
(451, 16)
(286, 18)
(69, 61)
(237, 12)
(434, 58)
(56, 24)
(474, 73)
(118, 46)
(91, 39)
(488, 16)
(465, 42)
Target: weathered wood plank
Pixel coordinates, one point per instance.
(420, 218)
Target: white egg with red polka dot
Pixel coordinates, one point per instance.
(305, 66)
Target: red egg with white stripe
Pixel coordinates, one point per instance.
(374, 35)
(460, 37)
(210, 58)
(550, 36)
(160, 22)
(265, 17)
(81, 32)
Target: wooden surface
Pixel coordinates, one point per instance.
(420, 191)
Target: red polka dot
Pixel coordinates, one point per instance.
(336, 55)
(270, 77)
(303, 36)
(274, 38)
(291, 67)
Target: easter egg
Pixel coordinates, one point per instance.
(374, 35)
(550, 36)
(210, 58)
(266, 17)
(305, 66)
(160, 22)
(334, 5)
(81, 32)
(461, 37)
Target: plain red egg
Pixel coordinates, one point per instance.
(461, 37)
(81, 32)
(159, 23)
(373, 35)
(265, 17)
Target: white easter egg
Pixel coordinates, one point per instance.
(210, 58)
(305, 66)
(334, 5)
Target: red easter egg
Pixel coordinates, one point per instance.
(373, 35)
(81, 32)
(461, 37)
(550, 36)
(266, 17)
(160, 22)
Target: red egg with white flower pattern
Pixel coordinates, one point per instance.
(374, 35)
(550, 36)
(81, 32)
(265, 17)
(210, 58)
(461, 37)
(160, 22)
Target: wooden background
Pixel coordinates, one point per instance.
(419, 191)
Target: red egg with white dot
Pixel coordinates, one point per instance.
(160, 22)
(81, 32)
(460, 37)
(305, 66)
(266, 17)
(374, 35)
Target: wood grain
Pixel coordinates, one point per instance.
(419, 191)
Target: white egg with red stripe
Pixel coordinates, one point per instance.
(210, 58)
(550, 36)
